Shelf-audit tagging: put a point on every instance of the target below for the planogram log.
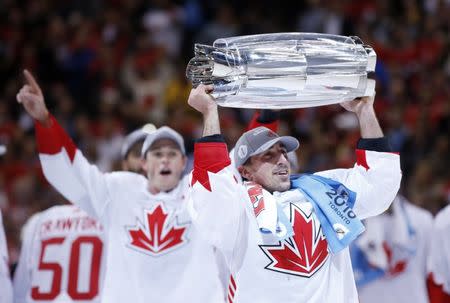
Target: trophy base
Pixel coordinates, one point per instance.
(261, 98)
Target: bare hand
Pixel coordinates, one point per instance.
(359, 104)
(32, 99)
(201, 100)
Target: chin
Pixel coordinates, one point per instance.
(283, 185)
(168, 186)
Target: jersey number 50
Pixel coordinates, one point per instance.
(73, 274)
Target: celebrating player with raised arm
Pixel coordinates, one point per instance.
(62, 256)
(285, 238)
(153, 253)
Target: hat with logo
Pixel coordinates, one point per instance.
(164, 132)
(259, 140)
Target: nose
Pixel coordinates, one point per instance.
(283, 159)
(165, 159)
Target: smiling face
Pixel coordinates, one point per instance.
(164, 165)
(271, 169)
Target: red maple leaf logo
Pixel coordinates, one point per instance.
(302, 254)
(158, 235)
(396, 267)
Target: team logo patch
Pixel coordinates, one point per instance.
(242, 151)
(397, 258)
(158, 234)
(302, 254)
(256, 197)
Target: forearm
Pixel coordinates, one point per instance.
(368, 123)
(67, 170)
(211, 124)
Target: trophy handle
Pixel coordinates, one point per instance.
(224, 69)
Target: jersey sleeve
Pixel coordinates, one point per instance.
(438, 262)
(66, 168)
(217, 205)
(22, 274)
(5, 278)
(375, 177)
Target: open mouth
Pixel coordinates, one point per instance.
(165, 172)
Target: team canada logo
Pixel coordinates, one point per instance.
(302, 254)
(159, 233)
(397, 258)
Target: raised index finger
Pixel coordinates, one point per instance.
(32, 82)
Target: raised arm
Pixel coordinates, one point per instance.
(63, 164)
(200, 100)
(214, 189)
(376, 175)
(364, 111)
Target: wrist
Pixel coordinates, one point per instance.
(211, 111)
(45, 120)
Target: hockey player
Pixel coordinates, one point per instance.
(61, 258)
(285, 238)
(391, 255)
(82, 245)
(154, 254)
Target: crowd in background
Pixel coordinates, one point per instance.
(108, 67)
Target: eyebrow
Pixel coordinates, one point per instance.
(161, 147)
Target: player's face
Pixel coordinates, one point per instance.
(134, 162)
(271, 169)
(164, 164)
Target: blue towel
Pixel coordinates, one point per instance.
(333, 203)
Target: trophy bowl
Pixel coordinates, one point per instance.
(284, 70)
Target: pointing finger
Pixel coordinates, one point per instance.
(31, 81)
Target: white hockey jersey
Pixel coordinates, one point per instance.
(300, 268)
(5, 280)
(401, 241)
(154, 253)
(62, 258)
(439, 258)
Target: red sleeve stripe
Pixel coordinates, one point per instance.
(209, 157)
(51, 140)
(361, 158)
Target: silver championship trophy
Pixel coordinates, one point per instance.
(284, 70)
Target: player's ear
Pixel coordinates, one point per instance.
(245, 173)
